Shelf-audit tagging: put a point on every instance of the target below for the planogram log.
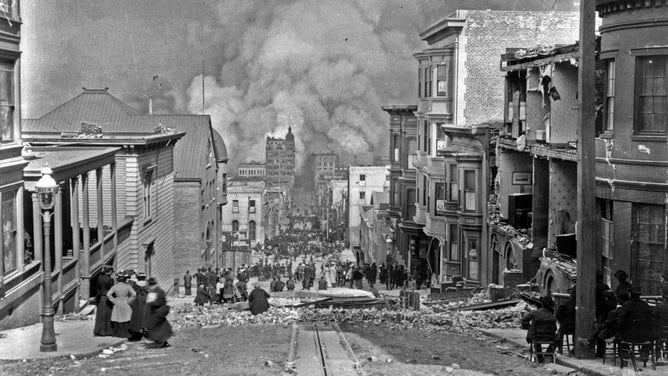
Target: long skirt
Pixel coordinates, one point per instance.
(103, 317)
(188, 290)
(121, 329)
(159, 329)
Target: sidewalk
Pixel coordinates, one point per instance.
(587, 366)
(73, 337)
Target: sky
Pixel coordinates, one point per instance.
(322, 67)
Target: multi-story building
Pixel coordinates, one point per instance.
(133, 195)
(243, 213)
(362, 182)
(534, 205)
(631, 149)
(251, 170)
(375, 229)
(403, 146)
(14, 270)
(460, 104)
(197, 189)
(280, 160)
(337, 208)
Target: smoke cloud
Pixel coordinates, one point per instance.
(323, 67)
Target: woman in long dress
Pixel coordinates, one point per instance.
(258, 300)
(103, 307)
(158, 328)
(137, 324)
(121, 295)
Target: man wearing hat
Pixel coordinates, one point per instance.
(635, 320)
(258, 300)
(544, 314)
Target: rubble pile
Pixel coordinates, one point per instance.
(555, 261)
(445, 318)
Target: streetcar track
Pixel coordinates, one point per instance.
(329, 355)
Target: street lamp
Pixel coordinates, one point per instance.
(46, 189)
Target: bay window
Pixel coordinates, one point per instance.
(7, 125)
(8, 246)
(651, 95)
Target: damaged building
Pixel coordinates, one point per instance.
(532, 216)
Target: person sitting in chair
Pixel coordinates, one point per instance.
(545, 314)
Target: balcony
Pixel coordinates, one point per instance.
(435, 106)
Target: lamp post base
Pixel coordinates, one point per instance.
(48, 348)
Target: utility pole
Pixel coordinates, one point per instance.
(586, 191)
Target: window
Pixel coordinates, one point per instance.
(424, 190)
(426, 82)
(651, 95)
(362, 196)
(610, 97)
(420, 81)
(648, 258)
(251, 230)
(453, 236)
(235, 226)
(469, 191)
(395, 146)
(148, 193)
(442, 80)
(224, 183)
(6, 101)
(235, 206)
(251, 206)
(7, 7)
(362, 177)
(472, 258)
(439, 199)
(425, 137)
(607, 239)
(453, 187)
(9, 231)
(410, 204)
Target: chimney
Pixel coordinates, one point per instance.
(150, 105)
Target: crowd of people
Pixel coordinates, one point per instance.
(131, 307)
(621, 317)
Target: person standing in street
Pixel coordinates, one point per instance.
(158, 328)
(258, 300)
(137, 324)
(104, 307)
(121, 295)
(188, 282)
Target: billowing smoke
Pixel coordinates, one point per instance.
(324, 67)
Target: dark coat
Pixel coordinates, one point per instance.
(566, 316)
(158, 328)
(635, 321)
(258, 301)
(529, 321)
(202, 295)
(104, 306)
(187, 281)
(137, 323)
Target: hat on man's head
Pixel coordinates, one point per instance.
(152, 281)
(620, 274)
(141, 276)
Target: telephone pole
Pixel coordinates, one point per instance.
(586, 190)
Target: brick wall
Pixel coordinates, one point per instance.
(187, 244)
(488, 34)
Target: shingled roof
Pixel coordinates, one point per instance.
(98, 107)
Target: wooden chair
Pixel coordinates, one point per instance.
(634, 345)
(545, 334)
(611, 351)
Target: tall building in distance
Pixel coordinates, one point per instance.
(280, 160)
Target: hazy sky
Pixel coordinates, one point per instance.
(323, 67)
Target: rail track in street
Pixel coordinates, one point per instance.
(321, 349)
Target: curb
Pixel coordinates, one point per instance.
(62, 356)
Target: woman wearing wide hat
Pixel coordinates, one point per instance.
(121, 295)
(103, 305)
